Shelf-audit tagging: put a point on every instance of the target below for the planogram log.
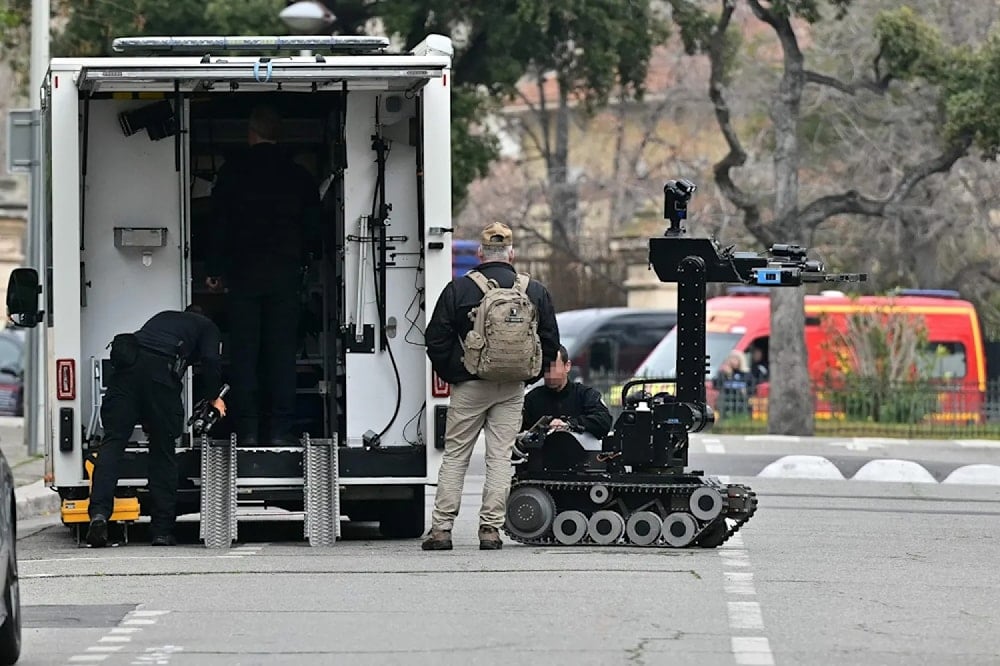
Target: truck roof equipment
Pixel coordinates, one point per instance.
(349, 43)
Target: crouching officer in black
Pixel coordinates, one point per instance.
(145, 388)
(576, 407)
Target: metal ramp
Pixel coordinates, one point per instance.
(321, 491)
(218, 492)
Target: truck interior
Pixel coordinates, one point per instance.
(311, 125)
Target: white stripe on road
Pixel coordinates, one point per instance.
(772, 438)
(979, 443)
(739, 582)
(714, 448)
(745, 615)
(752, 650)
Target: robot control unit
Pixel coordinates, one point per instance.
(632, 487)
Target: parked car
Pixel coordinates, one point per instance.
(607, 343)
(10, 608)
(12, 350)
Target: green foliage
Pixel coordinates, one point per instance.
(882, 367)
(968, 77)
(591, 45)
(471, 153)
(93, 24)
(809, 10)
(506, 39)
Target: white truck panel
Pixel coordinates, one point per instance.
(437, 214)
(65, 338)
(371, 381)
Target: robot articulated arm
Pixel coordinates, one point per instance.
(653, 428)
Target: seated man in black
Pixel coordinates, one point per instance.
(576, 407)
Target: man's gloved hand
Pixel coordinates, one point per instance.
(220, 406)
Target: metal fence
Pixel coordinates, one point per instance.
(919, 409)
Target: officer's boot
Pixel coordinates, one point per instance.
(489, 538)
(437, 540)
(97, 533)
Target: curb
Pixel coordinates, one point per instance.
(36, 499)
(879, 469)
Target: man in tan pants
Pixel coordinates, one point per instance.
(478, 404)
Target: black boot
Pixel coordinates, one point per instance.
(164, 540)
(97, 533)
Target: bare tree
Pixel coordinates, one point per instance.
(790, 407)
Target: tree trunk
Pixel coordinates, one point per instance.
(790, 405)
(562, 192)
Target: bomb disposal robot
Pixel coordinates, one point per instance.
(632, 487)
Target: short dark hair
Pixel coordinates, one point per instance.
(265, 122)
(194, 308)
(563, 354)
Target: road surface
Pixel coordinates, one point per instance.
(827, 572)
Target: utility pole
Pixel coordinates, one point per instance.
(39, 49)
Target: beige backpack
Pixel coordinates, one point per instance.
(503, 345)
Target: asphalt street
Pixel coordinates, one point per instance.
(827, 572)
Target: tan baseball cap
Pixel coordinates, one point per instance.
(497, 234)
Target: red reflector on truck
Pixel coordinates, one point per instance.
(439, 387)
(66, 379)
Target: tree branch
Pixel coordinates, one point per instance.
(960, 280)
(565, 248)
(526, 128)
(854, 203)
(737, 156)
(852, 88)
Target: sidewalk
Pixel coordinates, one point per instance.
(34, 499)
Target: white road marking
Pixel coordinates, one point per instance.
(123, 633)
(714, 448)
(979, 443)
(745, 615)
(739, 582)
(735, 558)
(857, 444)
(752, 650)
(772, 438)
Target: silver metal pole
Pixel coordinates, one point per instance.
(39, 48)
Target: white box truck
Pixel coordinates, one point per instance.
(127, 149)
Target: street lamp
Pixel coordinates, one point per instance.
(307, 17)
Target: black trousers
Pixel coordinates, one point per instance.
(263, 340)
(147, 394)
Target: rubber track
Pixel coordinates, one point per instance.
(743, 514)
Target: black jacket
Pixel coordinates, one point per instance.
(266, 220)
(450, 321)
(198, 338)
(577, 404)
